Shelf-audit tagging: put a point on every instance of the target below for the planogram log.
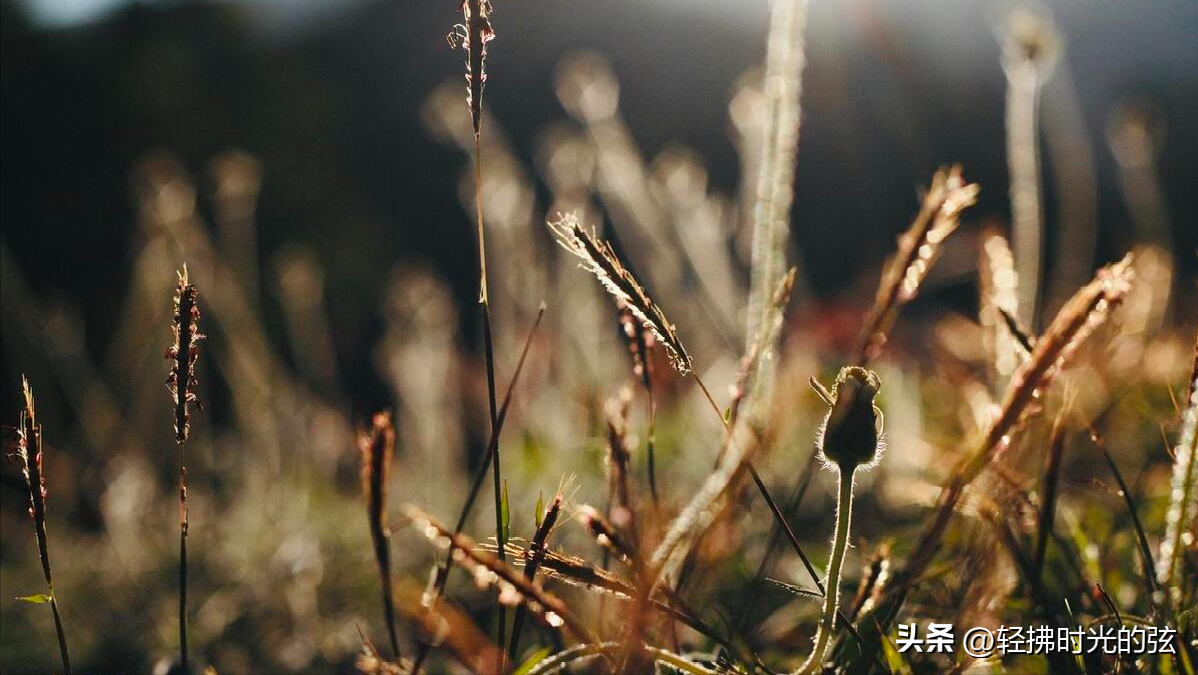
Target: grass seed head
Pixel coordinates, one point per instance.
(599, 259)
(184, 353)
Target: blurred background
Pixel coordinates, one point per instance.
(309, 160)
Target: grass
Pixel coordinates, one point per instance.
(181, 382)
(986, 500)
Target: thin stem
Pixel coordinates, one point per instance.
(183, 561)
(442, 577)
(1023, 159)
(714, 406)
(652, 443)
(844, 517)
(62, 638)
(489, 350)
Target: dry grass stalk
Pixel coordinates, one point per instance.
(918, 248)
(1087, 309)
(377, 447)
(537, 555)
(640, 345)
(1048, 497)
(489, 570)
(997, 298)
(740, 442)
(1183, 498)
(1030, 48)
(473, 38)
(571, 569)
(441, 578)
(444, 626)
(181, 382)
(619, 457)
(785, 58)
(606, 534)
(29, 452)
(599, 259)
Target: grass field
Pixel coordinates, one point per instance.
(652, 446)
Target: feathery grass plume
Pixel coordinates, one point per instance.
(1182, 515)
(784, 63)
(377, 447)
(1089, 307)
(181, 382)
(918, 248)
(29, 452)
(997, 299)
(1030, 47)
(599, 259)
(489, 570)
(849, 439)
(537, 551)
(472, 37)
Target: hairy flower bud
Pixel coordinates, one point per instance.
(852, 430)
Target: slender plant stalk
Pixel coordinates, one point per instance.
(1048, 501)
(538, 551)
(1183, 496)
(849, 438)
(181, 382)
(640, 344)
(377, 446)
(473, 37)
(442, 576)
(1029, 50)
(775, 184)
(1145, 552)
(827, 620)
(29, 450)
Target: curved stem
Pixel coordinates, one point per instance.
(844, 517)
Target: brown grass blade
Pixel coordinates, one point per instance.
(377, 447)
(488, 569)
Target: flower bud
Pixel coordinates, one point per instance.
(852, 428)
